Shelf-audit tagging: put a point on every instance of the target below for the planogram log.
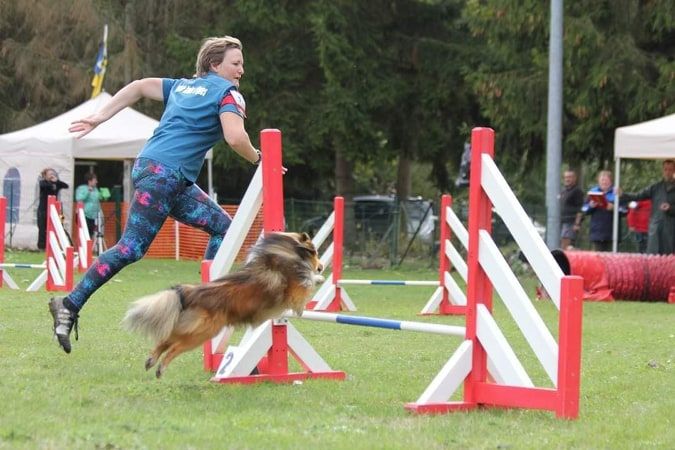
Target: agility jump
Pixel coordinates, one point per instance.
(561, 360)
(266, 348)
(448, 297)
(60, 258)
(485, 362)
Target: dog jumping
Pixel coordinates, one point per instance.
(280, 273)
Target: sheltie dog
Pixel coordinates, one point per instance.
(280, 273)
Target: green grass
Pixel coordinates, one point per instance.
(100, 397)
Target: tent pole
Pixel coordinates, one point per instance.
(127, 184)
(615, 221)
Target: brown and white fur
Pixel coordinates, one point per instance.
(280, 273)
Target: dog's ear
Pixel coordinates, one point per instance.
(305, 249)
(304, 237)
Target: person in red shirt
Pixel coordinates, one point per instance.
(638, 222)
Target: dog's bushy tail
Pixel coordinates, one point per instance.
(154, 315)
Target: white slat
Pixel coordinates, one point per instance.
(519, 224)
(519, 305)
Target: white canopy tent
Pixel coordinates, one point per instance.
(25, 153)
(654, 139)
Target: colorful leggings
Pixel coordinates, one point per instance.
(160, 192)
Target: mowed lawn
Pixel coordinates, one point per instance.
(101, 397)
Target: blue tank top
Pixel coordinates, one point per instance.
(190, 124)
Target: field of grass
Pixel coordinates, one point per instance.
(101, 397)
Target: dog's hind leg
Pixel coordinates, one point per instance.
(156, 353)
(178, 347)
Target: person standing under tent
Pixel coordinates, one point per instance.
(198, 113)
(90, 197)
(49, 184)
(661, 234)
(571, 201)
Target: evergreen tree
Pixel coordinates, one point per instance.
(618, 69)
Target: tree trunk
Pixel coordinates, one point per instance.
(403, 177)
(344, 169)
(344, 186)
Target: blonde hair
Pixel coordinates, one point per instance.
(605, 173)
(213, 51)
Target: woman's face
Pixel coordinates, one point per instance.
(604, 182)
(232, 67)
(50, 175)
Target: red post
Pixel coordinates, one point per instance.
(90, 253)
(276, 361)
(569, 346)
(338, 244)
(479, 287)
(3, 219)
(70, 262)
(273, 195)
(277, 355)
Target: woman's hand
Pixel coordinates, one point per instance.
(84, 126)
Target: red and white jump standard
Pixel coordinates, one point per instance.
(268, 347)
(485, 350)
(60, 258)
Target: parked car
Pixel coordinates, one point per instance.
(374, 217)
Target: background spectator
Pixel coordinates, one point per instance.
(599, 205)
(571, 201)
(661, 236)
(49, 185)
(90, 197)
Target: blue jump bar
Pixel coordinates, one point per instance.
(403, 325)
(368, 322)
(388, 282)
(22, 266)
(344, 282)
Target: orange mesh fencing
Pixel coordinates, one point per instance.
(175, 240)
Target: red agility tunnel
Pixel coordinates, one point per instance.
(624, 276)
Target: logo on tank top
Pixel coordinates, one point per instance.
(191, 90)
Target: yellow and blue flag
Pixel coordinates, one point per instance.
(100, 65)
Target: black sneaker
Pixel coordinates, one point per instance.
(64, 321)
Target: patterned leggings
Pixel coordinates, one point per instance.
(160, 192)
